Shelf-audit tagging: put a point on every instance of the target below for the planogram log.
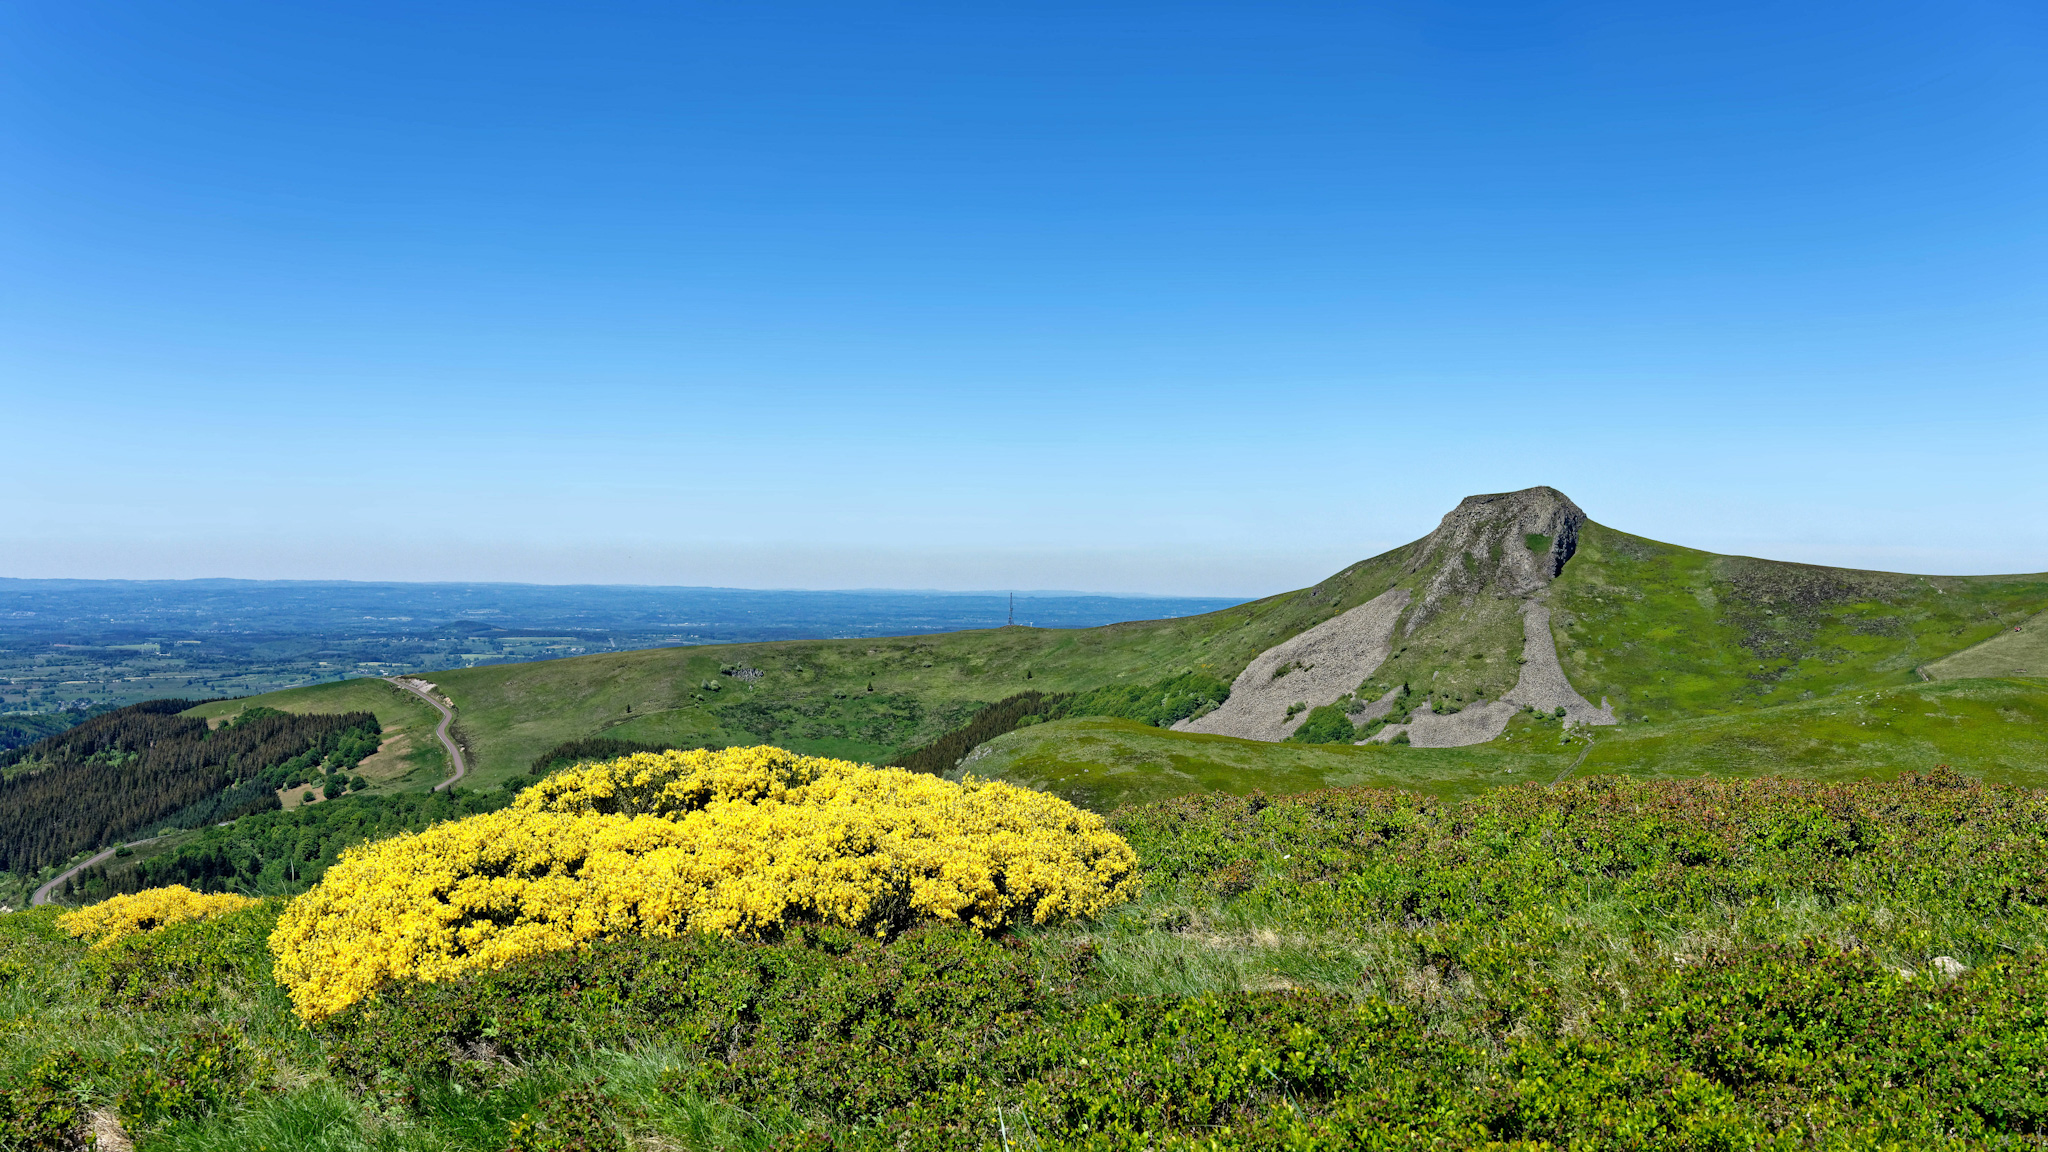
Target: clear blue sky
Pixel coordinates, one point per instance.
(1193, 298)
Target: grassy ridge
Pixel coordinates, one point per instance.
(1105, 764)
(410, 759)
(1990, 729)
(1995, 730)
(1666, 633)
(865, 699)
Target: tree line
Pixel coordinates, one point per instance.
(283, 852)
(138, 768)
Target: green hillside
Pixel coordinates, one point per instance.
(410, 758)
(2021, 650)
(1670, 632)
(1670, 636)
(1996, 730)
(866, 699)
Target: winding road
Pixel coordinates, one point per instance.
(42, 895)
(441, 730)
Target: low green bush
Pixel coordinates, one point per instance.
(1604, 964)
(197, 1074)
(47, 1111)
(577, 1119)
(184, 966)
(1329, 724)
(797, 1021)
(1161, 704)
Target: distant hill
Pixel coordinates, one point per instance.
(1517, 602)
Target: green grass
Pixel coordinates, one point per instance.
(2008, 653)
(1995, 730)
(1666, 633)
(1105, 764)
(412, 759)
(1602, 965)
(814, 696)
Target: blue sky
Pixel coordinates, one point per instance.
(1189, 298)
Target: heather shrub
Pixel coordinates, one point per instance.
(46, 1111)
(574, 1120)
(195, 1075)
(828, 1018)
(741, 842)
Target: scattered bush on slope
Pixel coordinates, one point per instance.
(740, 842)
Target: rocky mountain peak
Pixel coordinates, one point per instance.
(1506, 544)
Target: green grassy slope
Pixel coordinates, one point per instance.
(1666, 633)
(1105, 764)
(867, 699)
(1996, 730)
(2018, 651)
(411, 757)
(1993, 729)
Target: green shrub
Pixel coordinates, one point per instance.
(1161, 704)
(197, 1074)
(800, 1021)
(184, 966)
(1328, 724)
(575, 1120)
(47, 1112)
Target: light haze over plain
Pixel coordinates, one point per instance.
(1204, 299)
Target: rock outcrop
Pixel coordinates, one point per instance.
(1504, 546)
(1507, 544)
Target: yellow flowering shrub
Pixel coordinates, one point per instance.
(740, 842)
(146, 911)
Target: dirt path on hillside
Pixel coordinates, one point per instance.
(1315, 668)
(42, 895)
(425, 691)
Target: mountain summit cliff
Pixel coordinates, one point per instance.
(1504, 544)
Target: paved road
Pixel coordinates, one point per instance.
(447, 718)
(42, 895)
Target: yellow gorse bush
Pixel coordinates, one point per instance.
(146, 911)
(740, 842)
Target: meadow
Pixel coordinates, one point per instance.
(1607, 963)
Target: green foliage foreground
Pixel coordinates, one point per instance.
(1605, 964)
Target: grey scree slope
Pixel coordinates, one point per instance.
(1542, 684)
(1323, 664)
(1480, 549)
